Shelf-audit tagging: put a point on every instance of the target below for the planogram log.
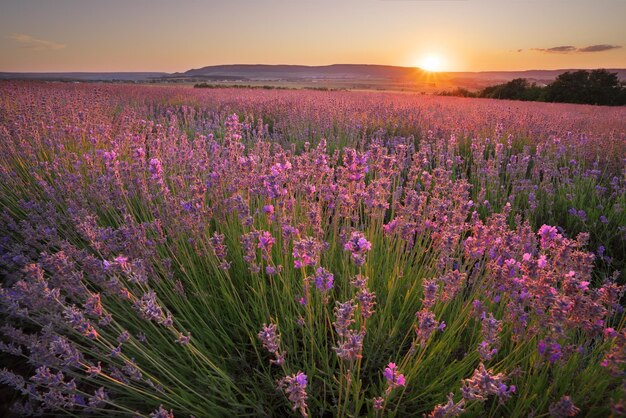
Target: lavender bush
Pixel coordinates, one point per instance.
(174, 252)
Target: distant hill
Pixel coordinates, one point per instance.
(83, 76)
(294, 72)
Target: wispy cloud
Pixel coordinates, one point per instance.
(598, 48)
(29, 42)
(569, 49)
(565, 49)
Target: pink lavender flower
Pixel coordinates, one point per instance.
(355, 165)
(100, 396)
(542, 262)
(430, 293)
(306, 252)
(350, 345)
(76, 319)
(359, 281)
(323, 280)
(484, 383)
(394, 378)
(156, 170)
(486, 351)
(183, 339)
(294, 387)
(220, 250)
(93, 306)
(615, 360)
(266, 241)
(249, 243)
(378, 403)
(491, 328)
(366, 300)
(271, 342)
(449, 409)
(273, 270)
(548, 234)
(563, 408)
(551, 350)
(268, 210)
(358, 247)
(93, 370)
(162, 413)
(149, 308)
(426, 325)
(452, 283)
(344, 317)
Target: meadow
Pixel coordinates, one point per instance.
(170, 251)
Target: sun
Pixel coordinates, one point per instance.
(431, 63)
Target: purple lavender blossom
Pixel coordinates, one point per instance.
(449, 409)
(350, 345)
(162, 413)
(366, 300)
(266, 241)
(563, 408)
(484, 383)
(344, 317)
(306, 252)
(430, 293)
(271, 342)
(394, 378)
(358, 247)
(378, 403)
(294, 386)
(323, 280)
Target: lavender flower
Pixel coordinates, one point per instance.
(323, 280)
(378, 403)
(306, 252)
(564, 408)
(358, 247)
(430, 293)
(366, 300)
(483, 384)
(394, 378)
(220, 250)
(426, 325)
(448, 410)
(162, 413)
(294, 387)
(271, 342)
(266, 241)
(350, 345)
(344, 317)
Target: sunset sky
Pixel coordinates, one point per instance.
(162, 35)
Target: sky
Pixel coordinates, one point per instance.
(177, 35)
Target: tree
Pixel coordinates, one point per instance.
(517, 89)
(598, 87)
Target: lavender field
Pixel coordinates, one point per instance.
(169, 251)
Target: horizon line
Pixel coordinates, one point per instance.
(300, 65)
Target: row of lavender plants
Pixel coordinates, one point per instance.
(174, 252)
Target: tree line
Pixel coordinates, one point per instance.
(596, 87)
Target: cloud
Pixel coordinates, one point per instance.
(565, 49)
(28, 42)
(598, 48)
(569, 49)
